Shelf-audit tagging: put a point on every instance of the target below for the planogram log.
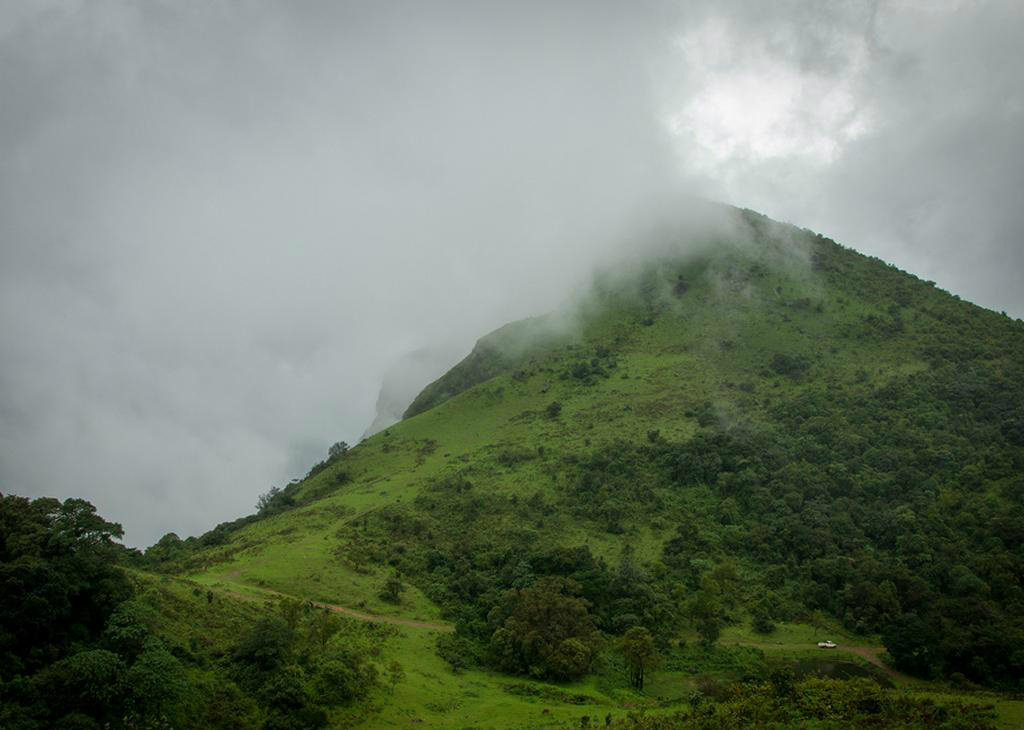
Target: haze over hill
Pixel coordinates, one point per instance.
(221, 224)
(746, 428)
(741, 438)
(406, 378)
(632, 457)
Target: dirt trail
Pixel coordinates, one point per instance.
(871, 654)
(351, 612)
(386, 619)
(868, 653)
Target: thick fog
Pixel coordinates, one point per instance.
(222, 223)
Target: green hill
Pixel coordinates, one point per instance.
(728, 448)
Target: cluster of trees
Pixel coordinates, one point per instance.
(74, 650)
(588, 371)
(58, 583)
(296, 670)
(82, 647)
(544, 630)
(522, 604)
(897, 508)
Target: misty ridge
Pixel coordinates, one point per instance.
(575, 364)
(695, 230)
(223, 225)
(752, 428)
(261, 216)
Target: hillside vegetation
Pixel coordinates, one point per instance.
(745, 438)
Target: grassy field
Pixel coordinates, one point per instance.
(432, 696)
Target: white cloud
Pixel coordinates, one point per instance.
(749, 99)
(892, 127)
(221, 223)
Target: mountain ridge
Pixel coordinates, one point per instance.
(748, 432)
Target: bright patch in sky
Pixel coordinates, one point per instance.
(756, 103)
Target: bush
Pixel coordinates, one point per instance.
(128, 628)
(762, 623)
(460, 652)
(156, 680)
(266, 646)
(343, 676)
(792, 366)
(392, 590)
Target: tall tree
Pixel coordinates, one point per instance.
(637, 648)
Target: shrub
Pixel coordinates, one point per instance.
(460, 652)
(792, 366)
(266, 646)
(392, 590)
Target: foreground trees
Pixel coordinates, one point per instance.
(58, 581)
(79, 650)
(297, 666)
(73, 650)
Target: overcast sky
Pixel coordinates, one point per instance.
(222, 221)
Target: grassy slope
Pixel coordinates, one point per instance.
(675, 354)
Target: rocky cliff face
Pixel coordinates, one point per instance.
(406, 378)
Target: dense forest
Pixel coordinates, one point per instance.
(85, 642)
(891, 501)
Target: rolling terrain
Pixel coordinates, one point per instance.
(733, 446)
(816, 431)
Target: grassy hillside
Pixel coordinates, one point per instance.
(720, 454)
(760, 426)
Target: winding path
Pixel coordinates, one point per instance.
(871, 654)
(350, 612)
(376, 618)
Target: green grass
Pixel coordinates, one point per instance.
(433, 697)
(1010, 713)
(797, 635)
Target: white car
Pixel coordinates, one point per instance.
(827, 645)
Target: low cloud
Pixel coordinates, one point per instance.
(893, 127)
(222, 223)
